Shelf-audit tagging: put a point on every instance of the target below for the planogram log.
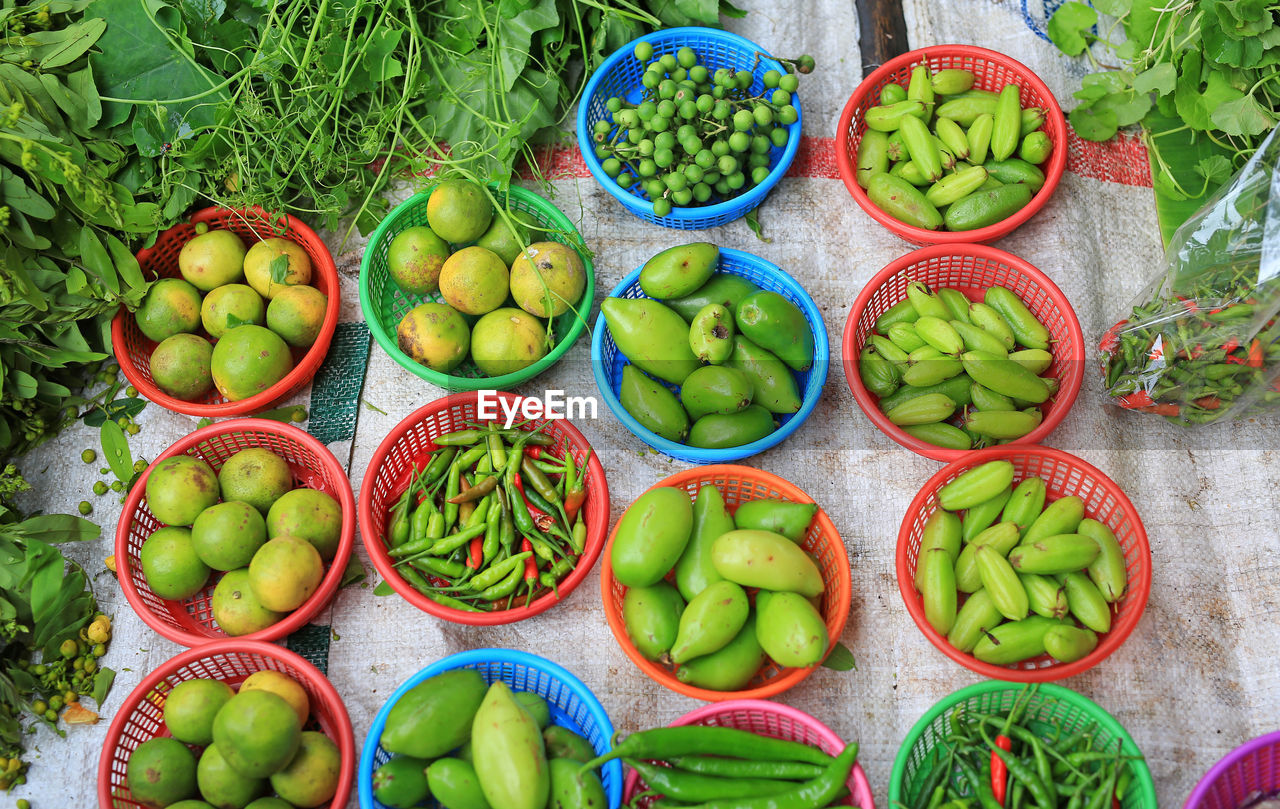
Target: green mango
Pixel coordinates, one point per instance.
(434, 716)
(564, 743)
(774, 386)
(651, 535)
(694, 571)
(679, 271)
(712, 619)
(711, 334)
(718, 431)
(401, 782)
(510, 756)
(780, 516)
(776, 324)
(716, 389)
(652, 336)
(575, 788)
(652, 617)
(653, 405)
(536, 706)
(729, 669)
(724, 288)
(790, 630)
(766, 560)
(455, 785)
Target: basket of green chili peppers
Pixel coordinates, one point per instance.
(478, 522)
(1202, 342)
(999, 745)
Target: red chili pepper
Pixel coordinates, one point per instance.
(1111, 340)
(530, 564)
(1115, 802)
(533, 452)
(1209, 402)
(1000, 770)
(1255, 354)
(1136, 400)
(573, 501)
(1231, 345)
(1188, 304)
(475, 553)
(1161, 409)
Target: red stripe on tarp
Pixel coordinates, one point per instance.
(1123, 160)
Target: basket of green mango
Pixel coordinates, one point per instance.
(710, 355)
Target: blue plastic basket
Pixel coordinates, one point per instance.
(572, 705)
(620, 76)
(607, 362)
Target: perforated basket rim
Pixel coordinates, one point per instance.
(1142, 780)
(1225, 767)
(859, 786)
(297, 378)
(1055, 127)
(334, 708)
(372, 314)
(1137, 592)
(335, 567)
(600, 717)
(811, 394)
(839, 604)
(705, 216)
(851, 345)
(597, 488)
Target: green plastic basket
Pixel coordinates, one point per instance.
(1050, 705)
(384, 304)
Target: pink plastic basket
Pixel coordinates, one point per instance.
(767, 719)
(1252, 769)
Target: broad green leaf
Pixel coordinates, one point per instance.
(840, 659)
(1243, 116)
(120, 408)
(383, 589)
(1091, 124)
(73, 106)
(78, 38)
(1160, 79)
(116, 449)
(97, 260)
(1129, 107)
(279, 268)
(1069, 25)
(1113, 8)
(1194, 105)
(127, 266)
(57, 528)
(1182, 151)
(18, 195)
(102, 682)
(516, 32)
(354, 573)
(24, 384)
(1214, 168)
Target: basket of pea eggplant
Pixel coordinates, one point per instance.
(479, 523)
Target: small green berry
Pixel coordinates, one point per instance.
(139, 465)
(133, 428)
(99, 488)
(131, 392)
(99, 650)
(51, 715)
(88, 456)
(23, 803)
(69, 648)
(86, 508)
(117, 486)
(39, 707)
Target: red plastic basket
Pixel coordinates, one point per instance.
(133, 350)
(970, 268)
(190, 621)
(141, 716)
(738, 484)
(993, 70)
(1065, 474)
(768, 719)
(408, 447)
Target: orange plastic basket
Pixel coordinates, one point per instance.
(133, 350)
(409, 446)
(970, 268)
(141, 716)
(738, 484)
(190, 621)
(1065, 475)
(992, 70)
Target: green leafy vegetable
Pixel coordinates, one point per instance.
(115, 447)
(840, 659)
(1070, 25)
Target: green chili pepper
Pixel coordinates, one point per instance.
(441, 568)
(479, 490)
(453, 485)
(452, 542)
(1026, 775)
(496, 573)
(446, 601)
(492, 530)
(419, 523)
(435, 526)
(744, 768)
(692, 787)
(440, 460)
(661, 743)
(818, 792)
(578, 538)
(540, 482)
(937, 775)
(505, 587)
(497, 448)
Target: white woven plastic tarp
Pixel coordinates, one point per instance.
(1197, 677)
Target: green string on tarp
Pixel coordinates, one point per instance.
(335, 391)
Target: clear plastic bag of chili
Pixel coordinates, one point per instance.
(1202, 341)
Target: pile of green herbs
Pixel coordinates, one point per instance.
(311, 107)
(1199, 75)
(45, 608)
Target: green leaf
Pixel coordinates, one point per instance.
(1069, 25)
(77, 39)
(840, 659)
(1129, 107)
(1113, 8)
(279, 268)
(753, 224)
(127, 267)
(516, 32)
(102, 682)
(54, 529)
(1214, 168)
(354, 573)
(1160, 79)
(97, 260)
(1243, 116)
(116, 449)
(125, 407)
(1196, 105)
(383, 589)
(1091, 124)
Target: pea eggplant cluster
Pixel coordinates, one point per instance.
(470, 745)
(728, 768)
(731, 348)
(936, 357)
(492, 518)
(705, 622)
(963, 173)
(995, 758)
(1024, 568)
